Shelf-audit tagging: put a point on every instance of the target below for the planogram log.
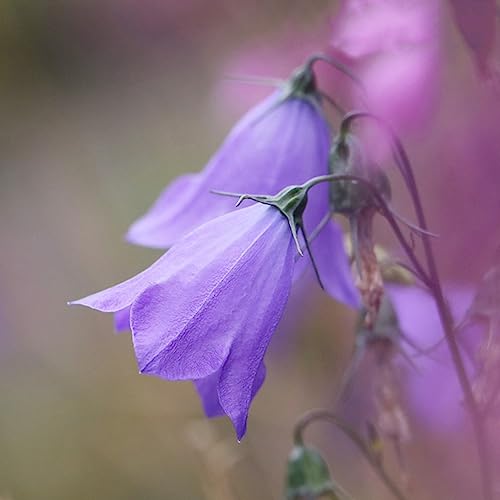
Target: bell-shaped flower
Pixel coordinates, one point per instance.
(206, 310)
(282, 141)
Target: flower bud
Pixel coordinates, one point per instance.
(307, 475)
(347, 157)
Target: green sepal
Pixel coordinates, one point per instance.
(307, 475)
(291, 202)
(302, 85)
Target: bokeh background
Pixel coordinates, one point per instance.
(103, 102)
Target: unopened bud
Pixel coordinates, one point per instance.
(347, 157)
(307, 475)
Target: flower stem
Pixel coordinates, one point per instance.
(320, 414)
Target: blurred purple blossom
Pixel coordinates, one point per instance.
(432, 389)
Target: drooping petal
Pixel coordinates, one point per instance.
(121, 296)
(122, 320)
(333, 266)
(194, 254)
(276, 144)
(184, 327)
(332, 263)
(208, 391)
(168, 207)
(270, 290)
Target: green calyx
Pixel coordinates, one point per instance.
(302, 85)
(348, 158)
(307, 475)
(302, 82)
(291, 202)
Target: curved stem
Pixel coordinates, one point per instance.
(435, 286)
(316, 415)
(337, 65)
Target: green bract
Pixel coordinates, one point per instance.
(290, 201)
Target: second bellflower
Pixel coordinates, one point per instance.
(282, 141)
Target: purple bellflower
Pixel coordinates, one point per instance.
(206, 310)
(282, 141)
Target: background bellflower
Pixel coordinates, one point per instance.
(282, 141)
(419, 320)
(206, 310)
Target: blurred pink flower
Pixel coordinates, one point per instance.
(462, 181)
(394, 48)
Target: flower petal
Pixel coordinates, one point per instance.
(196, 251)
(275, 145)
(168, 207)
(121, 296)
(270, 288)
(333, 266)
(183, 327)
(122, 320)
(207, 390)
